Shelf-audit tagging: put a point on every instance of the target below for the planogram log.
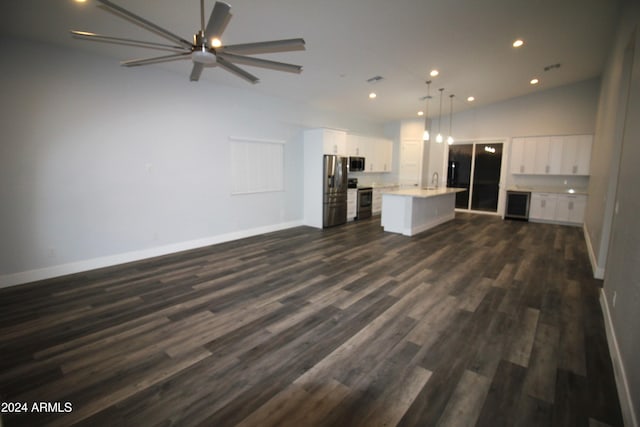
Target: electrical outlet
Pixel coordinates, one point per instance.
(613, 300)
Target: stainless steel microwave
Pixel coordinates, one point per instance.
(356, 164)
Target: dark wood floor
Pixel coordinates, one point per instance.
(477, 322)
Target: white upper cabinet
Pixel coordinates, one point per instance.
(551, 155)
(334, 142)
(356, 145)
(378, 153)
(548, 155)
(576, 154)
(555, 155)
(523, 155)
(382, 156)
(542, 155)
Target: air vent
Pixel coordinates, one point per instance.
(552, 66)
(375, 79)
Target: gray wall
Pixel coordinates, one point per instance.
(616, 159)
(101, 164)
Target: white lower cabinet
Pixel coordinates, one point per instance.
(543, 206)
(570, 208)
(352, 203)
(561, 208)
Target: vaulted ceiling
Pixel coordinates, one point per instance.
(350, 41)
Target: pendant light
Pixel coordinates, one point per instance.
(439, 136)
(450, 137)
(425, 135)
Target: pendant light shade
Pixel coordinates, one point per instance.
(425, 135)
(439, 135)
(450, 137)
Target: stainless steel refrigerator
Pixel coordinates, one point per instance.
(334, 206)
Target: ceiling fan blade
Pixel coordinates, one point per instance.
(156, 59)
(273, 46)
(145, 23)
(237, 70)
(196, 71)
(220, 16)
(84, 35)
(258, 62)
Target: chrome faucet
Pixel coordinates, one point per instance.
(434, 180)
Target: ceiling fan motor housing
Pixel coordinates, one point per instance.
(201, 54)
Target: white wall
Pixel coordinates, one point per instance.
(101, 164)
(607, 147)
(612, 214)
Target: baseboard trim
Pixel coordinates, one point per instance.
(598, 272)
(110, 260)
(626, 403)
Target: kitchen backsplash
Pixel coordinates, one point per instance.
(547, 181)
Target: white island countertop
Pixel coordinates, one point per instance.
(410, 211)
(422, 192)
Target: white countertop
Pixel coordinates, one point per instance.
(554, 190)
(422, 192)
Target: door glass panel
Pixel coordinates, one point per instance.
(486, 177)
(459, 172)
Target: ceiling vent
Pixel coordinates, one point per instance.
(552, 66)
(375, 79)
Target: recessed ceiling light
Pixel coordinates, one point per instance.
(215, 42)
(434, 73)
(372, 95)
(471, 99)
(534, 81)
(421, 113)
(518, 43)
(80, 1)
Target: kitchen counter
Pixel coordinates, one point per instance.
(410, 211)
(554, 190)
(422, 192)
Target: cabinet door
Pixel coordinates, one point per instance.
(571, 208)
(334, 142)
(352, 203)
(384, 155)
(354, 143)
(542, 155)
(517, 154)
(577, 208)
(523, 155)
(555, 155)
(529, 157)
(576, 154)
(583, 154)
(543, 206)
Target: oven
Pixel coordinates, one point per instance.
(365, 202)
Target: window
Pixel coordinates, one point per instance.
(257, 166)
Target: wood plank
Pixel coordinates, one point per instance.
(476, 322)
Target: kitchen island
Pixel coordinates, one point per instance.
(410, 211)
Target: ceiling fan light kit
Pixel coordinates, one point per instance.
(206, 50)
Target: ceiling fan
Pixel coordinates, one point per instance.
(206, 50)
